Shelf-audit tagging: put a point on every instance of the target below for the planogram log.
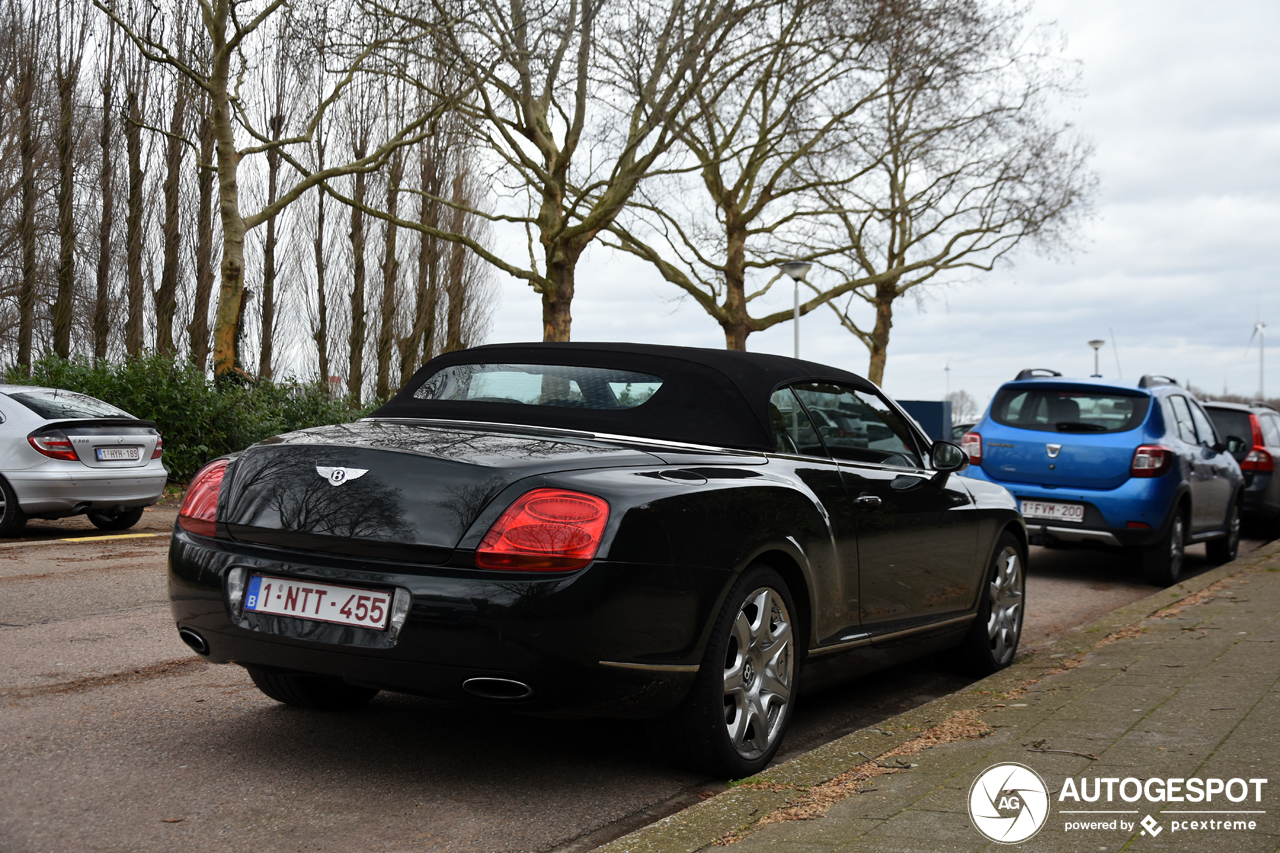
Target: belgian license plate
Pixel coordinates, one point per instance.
(1053, 511)
(117, 454)
(319, 602)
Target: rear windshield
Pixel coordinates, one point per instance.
(57, 405)
(1069, 409)
(562, 386)
(1232, 422)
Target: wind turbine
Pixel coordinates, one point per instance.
(1260, 332)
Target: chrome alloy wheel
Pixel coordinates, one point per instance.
(1004, 623)
(759, 669)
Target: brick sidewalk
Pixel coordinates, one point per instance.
(1191, 692)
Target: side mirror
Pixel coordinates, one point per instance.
(948, 458)
(1234, 444)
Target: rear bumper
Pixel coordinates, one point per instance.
(620, 640)
(1108, 512)
(41, 490)
(1262, 496)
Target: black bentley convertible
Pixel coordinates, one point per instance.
(684, 535)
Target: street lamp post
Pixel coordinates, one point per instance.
(1097, 345)
(797, 271)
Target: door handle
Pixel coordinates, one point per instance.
(867, 500)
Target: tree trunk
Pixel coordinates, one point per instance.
(133, 228)
(355, 340)
(421, 337)
(269, 254)
(735, 319)
(62, 305)
(198, 328)
(456, 284)
(102, 296)
(167, 294)
(886, 292)
(24, 94)
(231, 284)
(390, 284)
(322, 303)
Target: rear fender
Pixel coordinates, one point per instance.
(727, 523)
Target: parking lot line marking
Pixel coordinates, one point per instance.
(79, 539)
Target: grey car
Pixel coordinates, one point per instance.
(64, 454)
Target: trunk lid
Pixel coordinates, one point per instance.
(1082, 461)
(391, 490)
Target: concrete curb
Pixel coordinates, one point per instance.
(699, 826)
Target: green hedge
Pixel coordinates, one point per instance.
(198, 419)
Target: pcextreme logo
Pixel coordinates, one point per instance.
(1009, 803)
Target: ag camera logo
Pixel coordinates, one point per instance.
(1009, 803)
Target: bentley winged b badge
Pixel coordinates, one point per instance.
(338, 476)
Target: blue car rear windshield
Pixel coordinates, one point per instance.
(1069, 409)
(563, 386)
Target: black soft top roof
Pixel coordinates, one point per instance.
(708, 396)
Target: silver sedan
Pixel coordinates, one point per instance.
(63, 454)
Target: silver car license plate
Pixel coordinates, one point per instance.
(1050, 511)
(117, 454)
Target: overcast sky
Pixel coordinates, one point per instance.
(1183, 106)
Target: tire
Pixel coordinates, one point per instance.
(737, 712)
(1225, 549)
(12, 518)
(312, 692)
(993, 638)
(1162, 562)
(122, 520)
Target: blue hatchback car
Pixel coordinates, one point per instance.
(1099, 464)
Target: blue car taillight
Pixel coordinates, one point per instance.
(1151, 460)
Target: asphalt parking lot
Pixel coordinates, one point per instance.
(117, 738)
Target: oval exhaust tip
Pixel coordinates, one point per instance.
(198, 644)
(502, 689)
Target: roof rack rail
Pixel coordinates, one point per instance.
(1035, 373)
(1263, 404)
(1153, 379)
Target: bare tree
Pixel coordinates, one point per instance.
(969, 160)
(71, 29)
(390, 281)
(136, 87)
(356, 336)
(198, 328)
(228, 27)
(577, 101)
(166, 297)
(762, 137)
(28, 47)
(102, 294)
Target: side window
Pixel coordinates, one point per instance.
(793, 432)
(1270, 429)
(1208, 436)
(859, 426)
(1182, 418)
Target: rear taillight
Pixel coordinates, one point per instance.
(159, 451)
(200, 505)
(1259, 459)
(1150, 460)
(54, 444)
(546, 530)
(971, 443)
